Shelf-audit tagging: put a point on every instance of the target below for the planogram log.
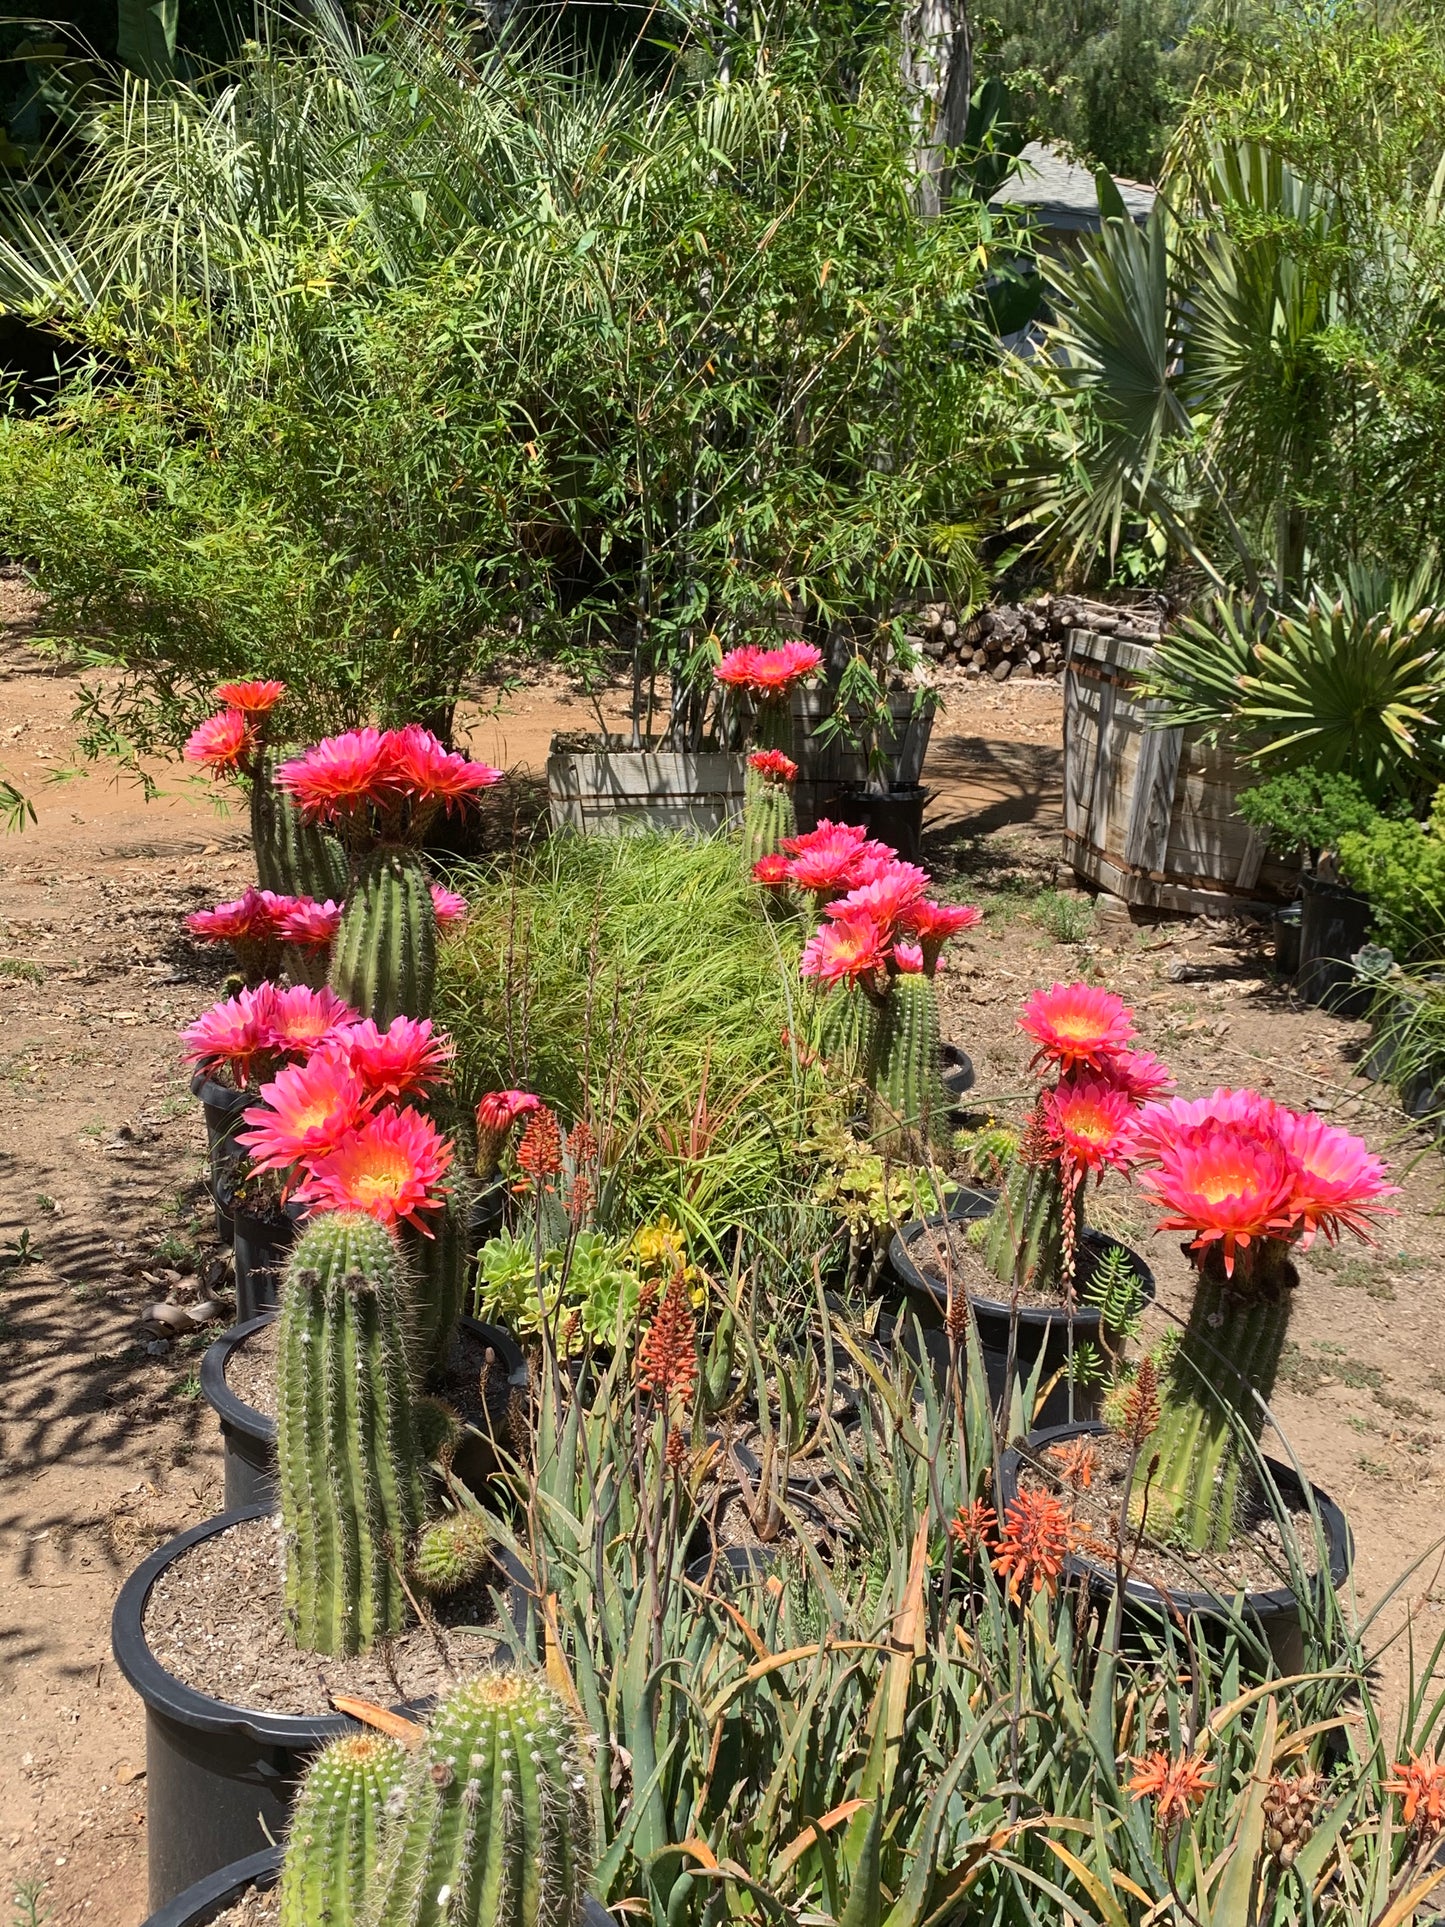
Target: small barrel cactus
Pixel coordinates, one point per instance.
(496, 1828)
(452, 1552)
(351, 1472)
(335, 1843)
(385, 955)
(911, 1106)
(293, 857)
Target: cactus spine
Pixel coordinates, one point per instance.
(910, 1104)
(335, 1842)
(385, 955)
(351, 1472)
(438, 1267)
(497, 1829)
(452, 1552)
(293, 857)
(1023, 1236)
(768, 816)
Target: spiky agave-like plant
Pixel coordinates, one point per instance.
(351, 1471)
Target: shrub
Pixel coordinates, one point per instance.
(1401, 869)
(1306, 811)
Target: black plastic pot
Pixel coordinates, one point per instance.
(198, 1906)
(220, 1779)
(1286, 925)
(1273, 1614)
(248, 1437)
(957, 1070)
(894, 817)
(486, 1214)
(223, 1110)
(1042, 1333)
(1334, 923)
(258, 1252)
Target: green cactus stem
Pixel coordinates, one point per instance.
(772, 725)
(910, 1106)
(1230, 1352)
(335, 1843)
(843, 1031)
(385, 956)
(1022, 1240)
(293, 857)
(768, 816)
(439, 1267)
(497, 1828)
(350, 1469)
(452, 1552)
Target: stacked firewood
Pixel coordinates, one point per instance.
(1027, 639)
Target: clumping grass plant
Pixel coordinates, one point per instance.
(634, 982)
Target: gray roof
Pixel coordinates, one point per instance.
(1061, 195)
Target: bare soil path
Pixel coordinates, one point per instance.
(106, 1448)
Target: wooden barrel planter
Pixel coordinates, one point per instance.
(609, 790)
(1151, 813)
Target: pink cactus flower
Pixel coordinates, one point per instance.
(429, 773)
(250, 918)
(1092, 1120)
(308, 924)
(849, 950)
(1224, 1182)
(1338, 1180)
(908, 959)
(1076, 1024)
(888, 899)
(305, 1112)
(408, 1059)
(251, 698)
(1141, 1075)
(451, 910)
(496, 1114)
(224, 744)
(340, 775)
(1162, 1124)
(768, 674)
(391, 1166)
(236, 1036)
(772, 872)
(303, 1020)
(932, 924)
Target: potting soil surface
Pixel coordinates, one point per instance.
(947, 1251)
(1255, 1559)
(215, 1621)
(255, 1908)
(109, 1448)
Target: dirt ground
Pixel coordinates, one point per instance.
(107, 1446)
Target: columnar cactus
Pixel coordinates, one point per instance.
(351, 1471)
(497, 1825)
(439, 1267)
(293, 857)
(384, 958)
(911, 1105)
(335, 1843)
(768, 813)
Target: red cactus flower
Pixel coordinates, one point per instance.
(451, 910)
(391, 1166)
(429, 773)
(251, 698)
(235, 1036)
(407, 1059)
(772, 872)
(667, 1357)
(539, 1155)
(908, 959)
(308, 1110)
(1038, 1532)
(888, 899)
(1420, 1783)
(972, 1527)
(1091, 1120)
(932, 924)
(1160, 1124)
(306, 923)
(1338, 1180)
(303, 1020)
(1076, 1024)
(768, 674)
(773, 764)
(827, 835)
(252, 918)
(1225, 1183)
(846, 951)
(1138, 1073)
(223, 744)
(874, 859)
(340, 775)
(496, 1114)
(1175, 1786)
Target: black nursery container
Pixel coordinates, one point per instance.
(1334, 923)
(1273, 1614)
(248, 1437)
(1042, 1331)
(223, 1110)
(258, 1253)
(220, 1779)
(894, 817)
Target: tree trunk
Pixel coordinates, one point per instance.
(938, 73)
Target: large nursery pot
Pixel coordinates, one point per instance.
(1334, 923)
(893, 816)
(220, 1779)
(1043, 1332)
(223, 1110)
(1274, 1614)
(258, 1252)
(248, 1437)
(198, 1906)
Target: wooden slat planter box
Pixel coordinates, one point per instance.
(1149, 813)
